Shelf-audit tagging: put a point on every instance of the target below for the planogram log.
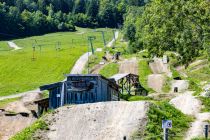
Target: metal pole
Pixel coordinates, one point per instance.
(103, 38)
(206, 129)
(165, 131)
(88, 59)
(114, 35)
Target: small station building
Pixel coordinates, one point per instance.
(80, 89)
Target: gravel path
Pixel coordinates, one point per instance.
(98, 121)
(80, 64)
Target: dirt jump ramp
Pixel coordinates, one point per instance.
(129, 66)
(158, 67)
(98, 121)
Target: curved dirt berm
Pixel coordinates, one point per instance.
(97, 121)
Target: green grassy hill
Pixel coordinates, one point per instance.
(20, 73)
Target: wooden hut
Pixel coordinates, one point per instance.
(79, 89)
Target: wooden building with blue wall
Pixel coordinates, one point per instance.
(80, 89)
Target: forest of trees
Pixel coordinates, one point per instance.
(170, 25)
(156, 25)
(33, 17)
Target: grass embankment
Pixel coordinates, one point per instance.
(110, 70)
(27, 133)
(19, 73)
(164, 111)
(144, 72)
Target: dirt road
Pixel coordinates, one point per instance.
(98, 121)
(129, 66)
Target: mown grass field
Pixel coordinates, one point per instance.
(18, 72)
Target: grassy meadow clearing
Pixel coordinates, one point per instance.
(19, 72)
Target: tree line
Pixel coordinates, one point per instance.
(170, 25)
(33, 17)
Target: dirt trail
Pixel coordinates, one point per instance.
(190, 105)
(129, 66)
(113, 40)
(98, 121)
(10, 125)
(13, 45)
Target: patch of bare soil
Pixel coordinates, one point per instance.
(97, 121)
(156, 82)
(17, 115)
(129, 66)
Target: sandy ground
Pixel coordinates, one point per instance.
(13, 45)
(98, 121)
(190, 105)
(80, 64)
(156, 82)
(113, 40)
(129, 66)
(10, 125)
